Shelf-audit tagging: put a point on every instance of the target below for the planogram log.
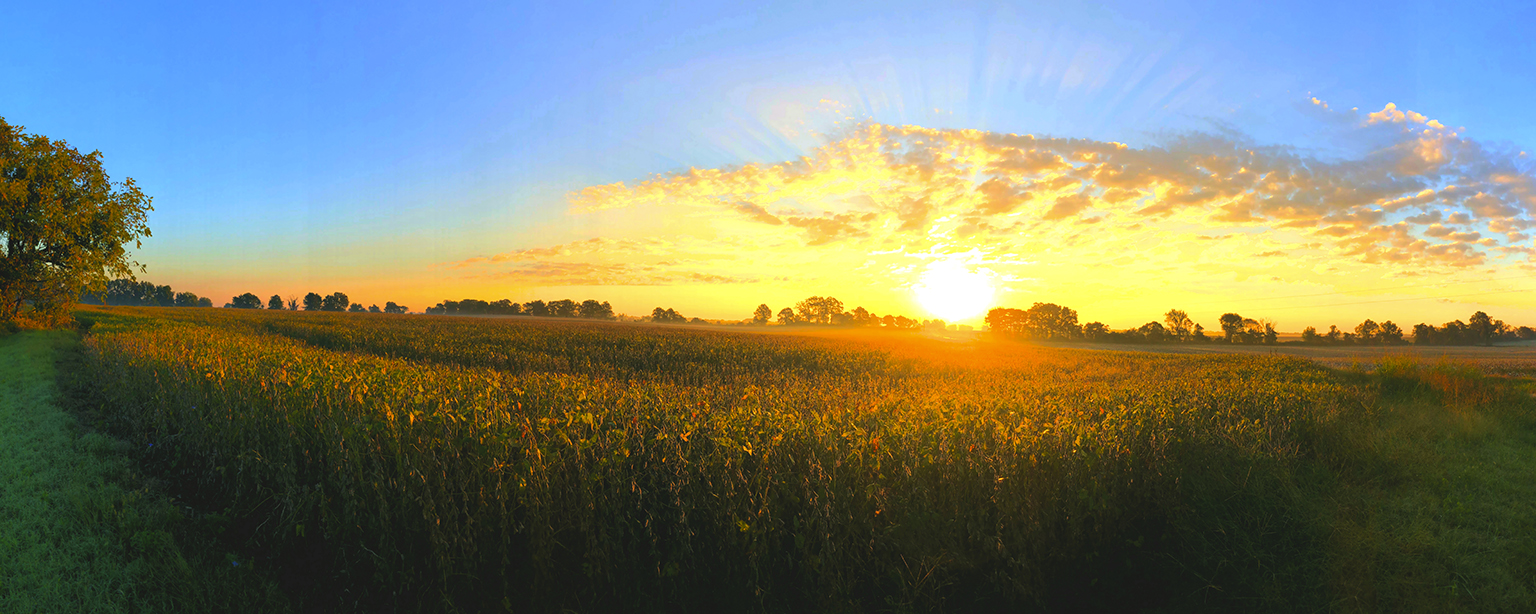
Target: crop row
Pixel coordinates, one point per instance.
(849, 479)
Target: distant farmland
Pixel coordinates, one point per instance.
(437, 462)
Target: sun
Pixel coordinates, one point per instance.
(952, 291)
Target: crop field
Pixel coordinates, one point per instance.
(1512, 359)
(423, 463)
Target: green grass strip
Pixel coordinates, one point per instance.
(78, 531)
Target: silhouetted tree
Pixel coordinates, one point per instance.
(787, 316)
(246, 301)
(861, 317)
(1367, 331)
(818, 309)
(1153, 331)
(293, 303)
(1309, 335)
(667, 316)
(593, 310)
(164, 297)
(1179, 324)
(1231, 326)
(762, 315)
(205, 302)
(1482, 328)
(186, 299)
(536, 308)
(276, 302)
(1007, 321)
(335, 302)
(391, 307)
(374, 309)
(1095, 331)
(1051, 321)
(1199, 335)
(357, 308)
(563, 308)
(313, 302)
(1390, 334)
(1253, 331)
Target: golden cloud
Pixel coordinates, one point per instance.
(882, 199)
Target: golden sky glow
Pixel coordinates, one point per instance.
(1209, 222)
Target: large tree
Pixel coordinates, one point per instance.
(64, 225)
(762, 315)
(276, 302)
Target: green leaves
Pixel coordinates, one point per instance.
(63, 224)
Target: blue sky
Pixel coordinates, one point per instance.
(363, 145)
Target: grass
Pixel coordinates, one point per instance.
(423, 463)
(1438, 511)
(79, 529)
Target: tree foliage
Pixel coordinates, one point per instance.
(818, 309)
(335, 302)
(65, 226)
(667, 316)
(246, 301)
(593, 310)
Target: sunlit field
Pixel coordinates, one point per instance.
(434, 463)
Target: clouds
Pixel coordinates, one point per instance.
(1411, 196)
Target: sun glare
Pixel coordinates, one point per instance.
(952, 291)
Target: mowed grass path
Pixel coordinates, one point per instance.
(78, 531)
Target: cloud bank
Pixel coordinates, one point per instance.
(1403, 195)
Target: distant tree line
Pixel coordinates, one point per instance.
(143, 294)
(813, 311)
(1052, 322)
(563, 308)
(1480, 329)
(313, 301)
